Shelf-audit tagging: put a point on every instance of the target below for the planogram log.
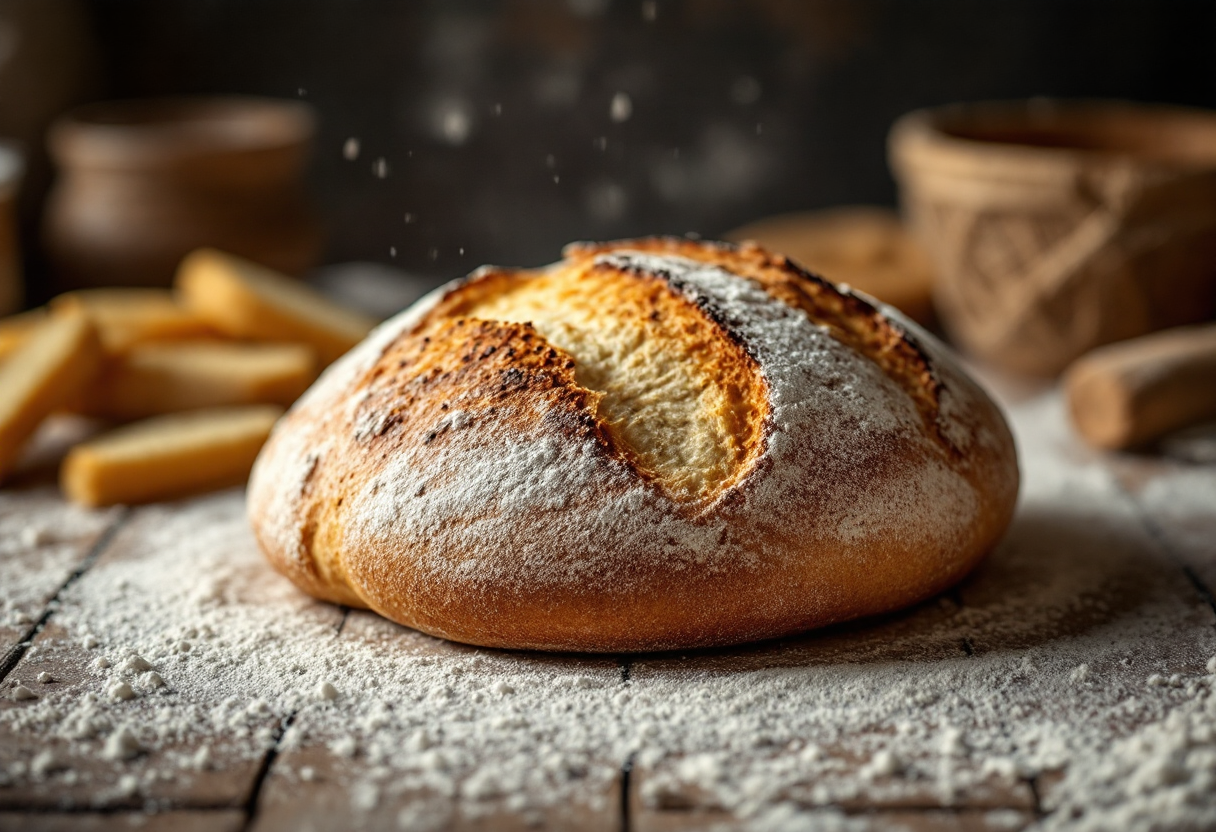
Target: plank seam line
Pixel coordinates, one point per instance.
(626, 788)
(1033, 784)
(1159, 537)
(15, 654)
(342, 624)
(259, 780)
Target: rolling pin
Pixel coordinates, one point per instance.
(1132, 392)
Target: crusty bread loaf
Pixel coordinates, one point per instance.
(654, 444)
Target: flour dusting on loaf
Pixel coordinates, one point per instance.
(455, 474)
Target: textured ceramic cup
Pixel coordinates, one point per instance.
(143, 182)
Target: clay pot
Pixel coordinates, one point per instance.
(144, 182)
(1056, 227)
(11, 294)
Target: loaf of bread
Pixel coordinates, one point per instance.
(653, 444)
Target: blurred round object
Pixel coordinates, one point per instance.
(1056, 227)
(11, 295)
(865, 247)
(144, 182)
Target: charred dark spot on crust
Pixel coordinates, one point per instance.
(495, 365)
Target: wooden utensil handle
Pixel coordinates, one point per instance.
(1132, 392)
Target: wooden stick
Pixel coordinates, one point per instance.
(1132, 392)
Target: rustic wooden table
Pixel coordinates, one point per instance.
(158, 675)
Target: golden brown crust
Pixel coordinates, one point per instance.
(453, 474)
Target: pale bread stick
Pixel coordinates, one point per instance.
(15, 329)
(245, 300)
(126, 317)
(169, 456)
(55, 362)
(155, 379)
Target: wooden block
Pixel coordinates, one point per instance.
(168, 456)
(245, 300)
(155, 379)
(126, 317)
(54, 364)
(1131, 392)
(223, 820)
(14, 329)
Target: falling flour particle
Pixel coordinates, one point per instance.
(1211, 666)
(621, 108)
(350, 150)
(121, 745)
(21, 693)
(326, 692)
(121, 691)
(380, 168)
(307, 773)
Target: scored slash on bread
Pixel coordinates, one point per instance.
(155, 379)
(168, 456)
(245, 300)
(54, 363)
(654, 444)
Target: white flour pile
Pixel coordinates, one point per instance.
(1092, 655)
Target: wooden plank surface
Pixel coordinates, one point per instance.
(139, 707)
(425, 764)
(1072, 661)
(43, 541)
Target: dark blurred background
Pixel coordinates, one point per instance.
(455, 133)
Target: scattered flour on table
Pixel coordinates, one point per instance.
(188, 653)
